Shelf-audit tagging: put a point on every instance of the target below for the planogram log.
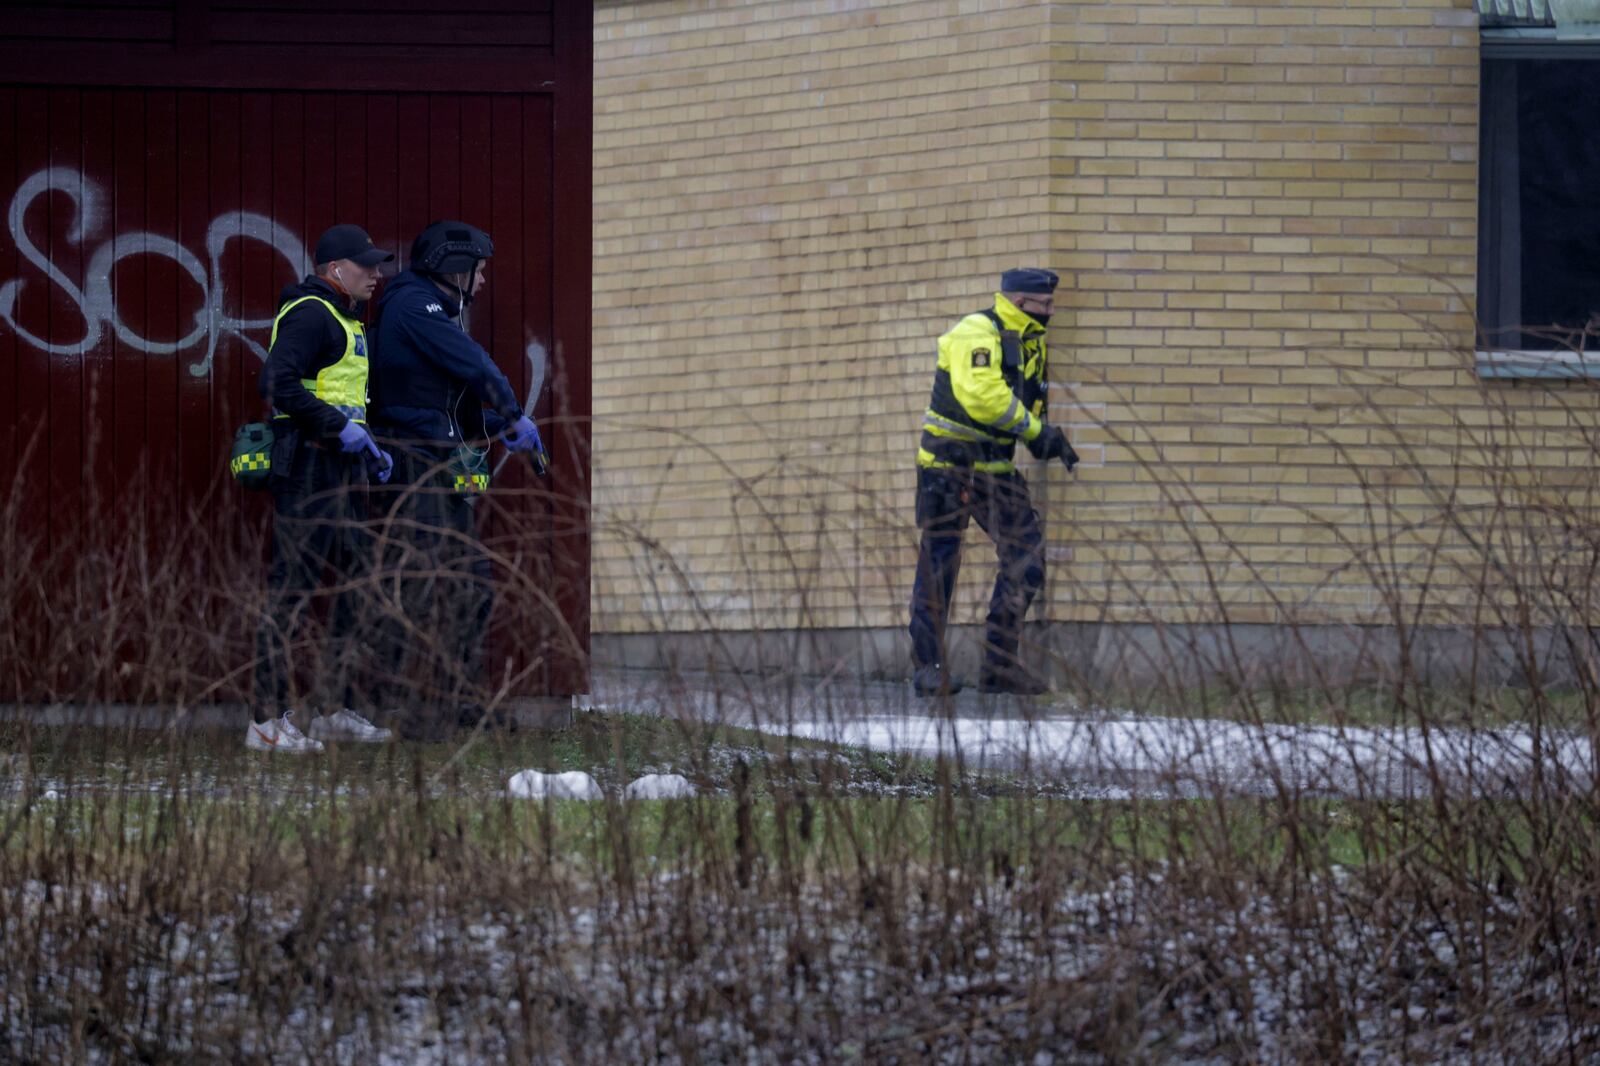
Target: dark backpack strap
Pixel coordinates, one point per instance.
(1010, 342)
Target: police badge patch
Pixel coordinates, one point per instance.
(980, 357)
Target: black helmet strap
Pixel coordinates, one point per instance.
(463, 296)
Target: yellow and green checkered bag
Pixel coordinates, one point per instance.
(469, 470)
(250, 462)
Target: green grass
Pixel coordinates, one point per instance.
(822, 805)
(818, 830)
(615, 748)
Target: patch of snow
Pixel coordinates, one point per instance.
(659, 786)
(1087, 747)
(1337, 759)
(574, 784)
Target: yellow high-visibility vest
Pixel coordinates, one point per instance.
(341, 384)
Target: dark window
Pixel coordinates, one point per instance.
(1539, 215)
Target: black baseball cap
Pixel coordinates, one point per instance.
(349, 241)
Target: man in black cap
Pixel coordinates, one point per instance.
(315, 378)
(988, 393)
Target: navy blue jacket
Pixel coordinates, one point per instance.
(430, 381)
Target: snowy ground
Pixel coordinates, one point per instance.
(1115, 752)
(1141, 970)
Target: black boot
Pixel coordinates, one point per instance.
(1013, 679)
(931, 679)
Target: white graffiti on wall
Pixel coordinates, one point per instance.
(96, 301)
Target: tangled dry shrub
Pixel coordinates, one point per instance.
(166, 896)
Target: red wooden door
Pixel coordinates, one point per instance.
(161, 190)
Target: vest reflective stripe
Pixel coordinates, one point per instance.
(350, 411)
(940, 426)
(343, 383)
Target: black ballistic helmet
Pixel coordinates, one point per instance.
(450, 248)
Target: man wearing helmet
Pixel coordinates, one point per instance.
(438, 397)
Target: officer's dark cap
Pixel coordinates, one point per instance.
(1029, 279)
(348, 241)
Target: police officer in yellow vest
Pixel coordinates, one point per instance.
(988, 393)
(315, 378)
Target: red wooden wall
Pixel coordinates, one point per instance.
(164, 168)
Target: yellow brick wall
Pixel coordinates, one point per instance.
(1264, 215)
(790, 200)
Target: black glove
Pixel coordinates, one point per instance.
(1051, 443)
(1069, 458)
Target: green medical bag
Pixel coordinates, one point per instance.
(250, 462)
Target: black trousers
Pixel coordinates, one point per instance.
(436, 591)
(319, 541)
(947, 499)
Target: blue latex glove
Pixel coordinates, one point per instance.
(523, 436)
(380, 464)
(355, 438)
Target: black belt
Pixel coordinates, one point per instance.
(964, 452)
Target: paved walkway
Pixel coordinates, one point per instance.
(1105, 747)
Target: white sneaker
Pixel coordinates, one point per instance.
(347, 725)
(279, 734)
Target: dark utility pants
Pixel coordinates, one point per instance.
(946, 500)
(318, 541)
(432, 646)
